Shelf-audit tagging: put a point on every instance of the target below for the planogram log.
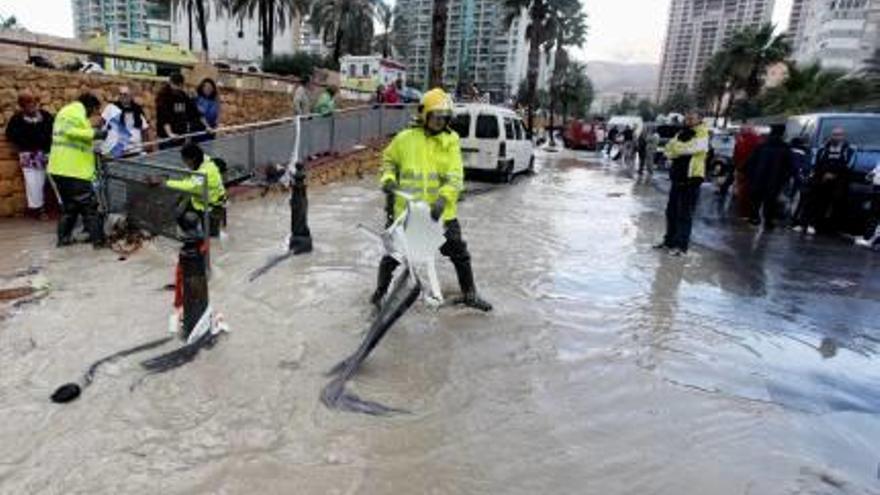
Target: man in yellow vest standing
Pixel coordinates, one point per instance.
(424, 161)
(72, 168)
(687, 171)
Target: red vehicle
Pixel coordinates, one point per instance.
(580, 135)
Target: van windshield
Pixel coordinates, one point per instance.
(461, 124)
(861, 132)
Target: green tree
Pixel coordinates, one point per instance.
(566, 27)
(714, 83)
(536, 33)
(382, 43)
(196, 10)
(401, 31)
(345, 25)
(575, 92)
(300, 64)
(747, 55)
(438, 43)
(627, 105)
(680, 100)
(811, 88)
(10, 23)
(273, 16)
(647, 110)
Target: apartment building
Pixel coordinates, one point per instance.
(696, 30)
(838, 34)
(130, 20)
(480, 47)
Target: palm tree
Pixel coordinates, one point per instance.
(566, 26)
(750, 51)
(536, 34)
(195, 10)
(714, 83)
(438, 43)
(812, 88)
(10, 23)
(386, 14)
(272, 15)
(345, 24)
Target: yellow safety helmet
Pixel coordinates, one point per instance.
(435, 100)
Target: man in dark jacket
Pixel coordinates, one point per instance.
(768, 169)
(176, 113)
(829, 183)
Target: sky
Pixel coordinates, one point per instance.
(628, 31)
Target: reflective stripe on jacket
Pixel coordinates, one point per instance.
(697, 148)
(72, 135)
(427, 167)
(193, 185)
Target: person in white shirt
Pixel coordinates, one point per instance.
(126, 125)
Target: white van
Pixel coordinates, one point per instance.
(493, 139)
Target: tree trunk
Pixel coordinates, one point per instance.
(269, 33)
(189, 18)
(717, 111)
(202, 25)
(337, 46)
(536, 15)
(438, 44)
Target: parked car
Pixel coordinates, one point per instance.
(493, 139)
(580, 135)
(809, 132)
(410, 95)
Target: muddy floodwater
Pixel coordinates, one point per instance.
(748, 367)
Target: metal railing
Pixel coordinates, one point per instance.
(125, 188)
(251, 152)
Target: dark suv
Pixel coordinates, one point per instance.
(807, 133)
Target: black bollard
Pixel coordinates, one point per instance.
(300, 236)
(195, 284)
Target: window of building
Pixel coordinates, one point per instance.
(352, 70)
(366, 70)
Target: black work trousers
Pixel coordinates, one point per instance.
(683, 198)
(826, 204)
(78, 199)
(765, 202)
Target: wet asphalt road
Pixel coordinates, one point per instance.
(748, 367)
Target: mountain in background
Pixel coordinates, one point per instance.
(613, 77)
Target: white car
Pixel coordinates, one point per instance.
(493, 139)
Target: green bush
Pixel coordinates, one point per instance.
(298, 65)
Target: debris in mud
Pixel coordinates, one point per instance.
(614, 194)
(23, 292)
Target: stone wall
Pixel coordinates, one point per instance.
(57, 88)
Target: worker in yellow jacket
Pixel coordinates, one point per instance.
(72, 168)
(687, 153)
(425, 161)
(195, 159)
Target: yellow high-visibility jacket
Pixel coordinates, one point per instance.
(193, 185)
(72, 136)
(426, 167)
(697, 147)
